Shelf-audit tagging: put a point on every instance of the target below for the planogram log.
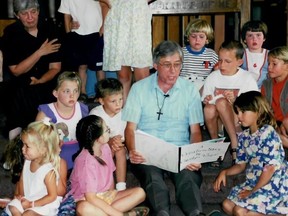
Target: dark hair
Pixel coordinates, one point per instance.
(255, 102)
(254, 26)
(88, 130)
(108, 87)
(234, 45)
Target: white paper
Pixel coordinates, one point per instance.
(174, 158)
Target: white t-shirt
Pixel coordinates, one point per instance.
(216, 83)
(115, 123)
(87, 12)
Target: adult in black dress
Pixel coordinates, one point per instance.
(31, 52)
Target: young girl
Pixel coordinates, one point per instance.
(65, 113)
(261, 153)
(38, 182)
(255, 59)
(198, 60)
(92, 182)
(109, 93)
(275, 89)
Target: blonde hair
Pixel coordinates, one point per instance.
(200, 25)
(44, 135)
(68, 76)
(280, 52)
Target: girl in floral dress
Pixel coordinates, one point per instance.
(261, 154)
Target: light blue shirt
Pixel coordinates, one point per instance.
(180, 110)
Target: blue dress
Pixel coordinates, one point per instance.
(257, 150)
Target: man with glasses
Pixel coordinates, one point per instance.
(168, 107)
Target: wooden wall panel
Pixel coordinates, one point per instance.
(158, 30)
(174, 28)
(4, 23)
(219, 31)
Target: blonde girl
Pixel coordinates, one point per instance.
(39, 178)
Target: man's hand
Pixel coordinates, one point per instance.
(194, 166)
(136, 157)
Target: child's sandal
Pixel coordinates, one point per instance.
(138, 211)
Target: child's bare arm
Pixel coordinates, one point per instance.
(19, 191)
(115, 143)
(107, 2)
(62, 184)
(67, 22)
(50, 182)
(104, 9)
(265, 177)
(40, 116)
(221, 178)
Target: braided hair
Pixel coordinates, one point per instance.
(88, 130)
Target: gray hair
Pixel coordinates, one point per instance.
(20, 5)
(166, 48)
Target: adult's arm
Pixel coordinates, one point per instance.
(195, 133)
(135, 157)
(46, 48)
(54, 68)
(195, 136)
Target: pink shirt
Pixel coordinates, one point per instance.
(89, 175)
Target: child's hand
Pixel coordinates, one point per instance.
(207, 99)
(4, 202)
(26, 203)
(219, 180)
(244, 193)
(229, 95)
(74, 25)
(115, 143)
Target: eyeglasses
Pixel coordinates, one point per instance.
(108, 130)
(168, 66)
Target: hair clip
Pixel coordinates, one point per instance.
(46, 121)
